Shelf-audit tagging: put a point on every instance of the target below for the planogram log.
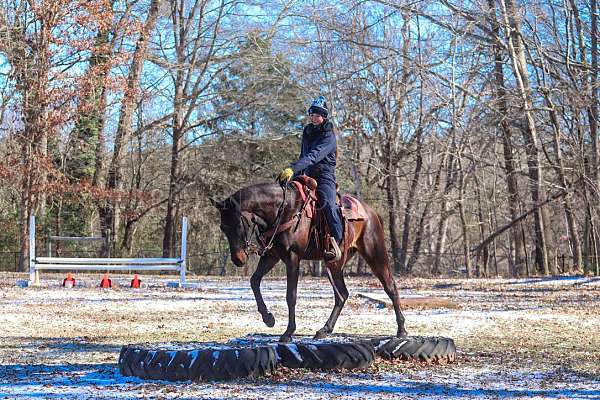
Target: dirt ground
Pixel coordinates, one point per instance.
(532, 338)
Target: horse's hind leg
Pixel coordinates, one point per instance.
(266, 264)
(336, 278)
(373, 251)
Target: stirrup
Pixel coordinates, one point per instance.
(334, 254)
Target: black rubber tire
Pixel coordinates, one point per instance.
(326, 355)
(422, 348)
(203, 364)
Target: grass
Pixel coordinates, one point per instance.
(535, 328)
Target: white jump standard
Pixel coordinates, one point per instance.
(36, 264)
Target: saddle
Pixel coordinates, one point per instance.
(351, 208)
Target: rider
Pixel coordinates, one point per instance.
(317, 160)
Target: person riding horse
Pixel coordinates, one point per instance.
(318, 160)
(274, 224)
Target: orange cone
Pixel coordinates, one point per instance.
(135, 282)
(106, 282)
(69, 281)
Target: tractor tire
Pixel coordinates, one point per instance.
(207, 363)
(421, 348)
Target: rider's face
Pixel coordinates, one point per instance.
(316, 119)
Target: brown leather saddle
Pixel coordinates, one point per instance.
(351, 208)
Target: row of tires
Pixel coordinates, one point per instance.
(255, 358)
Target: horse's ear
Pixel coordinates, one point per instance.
(218, 204)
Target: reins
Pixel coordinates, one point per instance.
(277, 227)
(278, 218)
(250, 248)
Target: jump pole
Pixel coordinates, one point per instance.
(183, 266)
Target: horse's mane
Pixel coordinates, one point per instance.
(249, 196)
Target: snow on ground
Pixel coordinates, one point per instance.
(516, 339)
(105, 382)
(558, 281)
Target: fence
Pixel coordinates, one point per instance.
(36, 264)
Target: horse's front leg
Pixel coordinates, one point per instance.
(266, 264)
(292, 264)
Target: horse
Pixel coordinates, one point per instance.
(278, 220)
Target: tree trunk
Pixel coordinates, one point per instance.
(31, 67)
(591, 87)
(424, 221)
(442, 232)
(482, 222)
(593, 111)
(24, 214)
(391, 191)
(124, 128)
(85, 158)
(560, 171)
(463, 219)
(507, 147)
(174, 177)
(410, 201)
(128, 233)
(530, 135)
(362, 267)
(442, 235)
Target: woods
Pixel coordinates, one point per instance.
(471, 127)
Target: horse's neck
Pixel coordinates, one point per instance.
(268, 208)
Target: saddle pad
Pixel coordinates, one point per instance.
(352, 209)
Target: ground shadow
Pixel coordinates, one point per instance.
(415, 388)
(103, 380)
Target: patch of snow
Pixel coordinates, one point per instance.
(215, 355)
(194, 356)
(468, 383)
(172, 355)
(555, 281)
(64, 344)
(294, 350)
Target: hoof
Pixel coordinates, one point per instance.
(269, 320)
(285, 338)
(321, 334)
(401, 333)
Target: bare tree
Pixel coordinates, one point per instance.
(110, 213)
(516, 49)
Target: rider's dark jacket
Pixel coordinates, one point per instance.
(317, 160)
(317, 153)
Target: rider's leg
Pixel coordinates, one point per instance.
(327, 196)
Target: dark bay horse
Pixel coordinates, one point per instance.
(266, 214)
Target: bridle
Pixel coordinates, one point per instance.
(264, 245)
(262, 248)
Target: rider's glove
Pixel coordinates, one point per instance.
(285, 176)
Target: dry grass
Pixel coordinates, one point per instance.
(548, 328)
